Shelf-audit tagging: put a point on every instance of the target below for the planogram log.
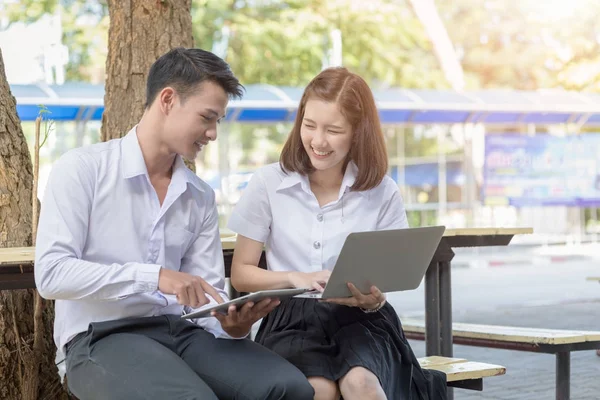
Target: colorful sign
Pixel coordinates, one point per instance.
(523, 170)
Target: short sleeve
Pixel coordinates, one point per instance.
(392, 214)
(251, 217)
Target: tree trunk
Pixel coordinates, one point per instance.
(140, 31)
(19, 365)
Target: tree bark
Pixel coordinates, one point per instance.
(24, 374)
(140, 31)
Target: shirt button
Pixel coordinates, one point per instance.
(320, 217)
(317, 245)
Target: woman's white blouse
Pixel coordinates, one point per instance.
(281, 211)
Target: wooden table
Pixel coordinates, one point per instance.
(16, 264)
(16, 268)
(16, 272)
(438, 283)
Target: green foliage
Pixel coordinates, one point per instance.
(526, 44)
(28, 11)
(520, 44)
(48, 123)
(284, 43)
(85, 30)
(274, 42)
(421, 218)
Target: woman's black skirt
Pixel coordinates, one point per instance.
(327, 340)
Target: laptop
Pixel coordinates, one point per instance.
(393, 260)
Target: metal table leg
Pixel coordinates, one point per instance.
(446, 308)
(432, 310)
(446, 314)
(563, 375)
(438, 305)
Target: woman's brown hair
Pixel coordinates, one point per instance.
(356, 103)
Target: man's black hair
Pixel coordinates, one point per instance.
(184, 69)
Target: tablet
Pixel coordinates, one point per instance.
(240, 301)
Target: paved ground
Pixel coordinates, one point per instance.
(530, 376)
(530, 294)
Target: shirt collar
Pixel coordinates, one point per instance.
(294, 178)
(349, 178)
(132, 160)
(133, 164)
(183, 175)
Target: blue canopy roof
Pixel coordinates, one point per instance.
(427, 174)
(270, 104)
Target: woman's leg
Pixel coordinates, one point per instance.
(324, 388)
(360, 383)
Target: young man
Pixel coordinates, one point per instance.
(128, 240)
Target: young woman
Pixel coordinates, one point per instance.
(330, 181)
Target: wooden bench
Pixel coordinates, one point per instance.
(550, 341)
(460, 372)
(595, 279)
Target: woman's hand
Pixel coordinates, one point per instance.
(314, 280)
(370, 301)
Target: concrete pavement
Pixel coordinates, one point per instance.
(545, 295)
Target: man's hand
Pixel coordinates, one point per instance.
(190, 290)
(314, 280)
(369, 301)
(237, 323)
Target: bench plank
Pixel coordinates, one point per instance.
(425, 362)
(593, 278)
(469, 370)
(459, 369)
(12, 255)
(510, 333)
